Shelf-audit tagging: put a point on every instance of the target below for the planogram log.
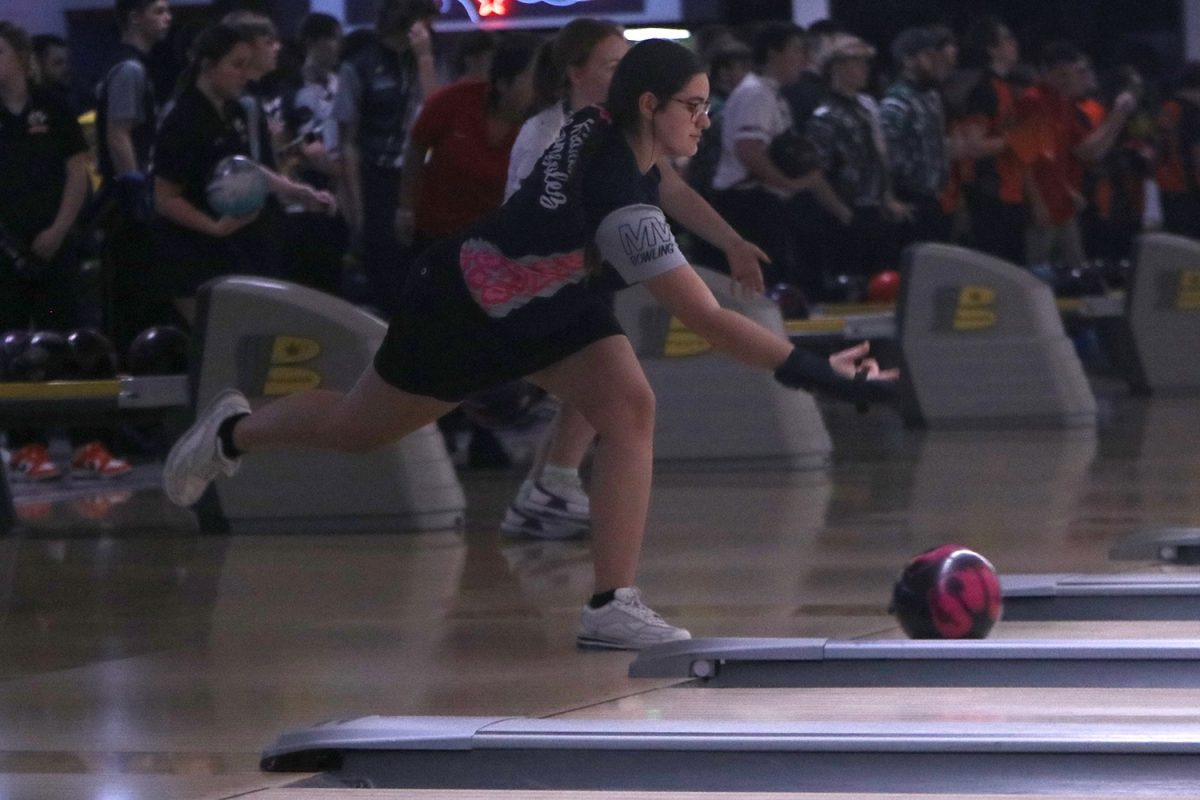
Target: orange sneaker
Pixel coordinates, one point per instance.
(32, 463)
(93, 460)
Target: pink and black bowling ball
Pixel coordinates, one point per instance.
(948, 592)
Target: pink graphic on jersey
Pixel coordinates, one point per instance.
(501, 284)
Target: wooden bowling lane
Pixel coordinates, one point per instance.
(1118, 708)
(472, 794)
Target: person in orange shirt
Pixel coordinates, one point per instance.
(1054, 182)
(993, 181)
(1177, 170)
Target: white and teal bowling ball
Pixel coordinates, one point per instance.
(238, 187)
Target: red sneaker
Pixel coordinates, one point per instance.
(32, 463)
(93, 460)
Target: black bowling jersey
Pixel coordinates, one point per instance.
(35, 145)
(525, 264)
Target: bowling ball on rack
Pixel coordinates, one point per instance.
(948, 592)
(509, 406)
(844, 288)
(93, 356)
(237, 187)
(159, 350)
(44, 356)
(12, 344)
(792, 302)
(883, 286)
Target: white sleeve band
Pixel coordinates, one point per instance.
(637, 242)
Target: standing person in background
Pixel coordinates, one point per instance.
(206, 124)
(127, 113)
(994, 180)
(473, 59)
(575, 71)
(43, 184)
(914, 125)
(380, 89)
(752, 190)
(806, 93)
(316, 243)
(1055, 182)
(457, 157)
(53, 58)
(858, 236)
(263, 241)
(1177, 169)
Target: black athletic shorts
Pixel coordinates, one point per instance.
(441, 343)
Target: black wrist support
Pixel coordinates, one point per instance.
(813, 373)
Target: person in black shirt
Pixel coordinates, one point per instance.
(53, 58)
(522, 294)
(205, 125)
(43, 183)
(126, 119)
(380, 88)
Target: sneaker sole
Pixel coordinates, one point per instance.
(586, 643)
(519, 526)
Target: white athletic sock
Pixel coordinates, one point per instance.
(553, 475)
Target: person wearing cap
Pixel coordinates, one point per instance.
(853, 156)
(914, 127)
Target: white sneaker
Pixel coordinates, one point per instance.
(196, 459)
(548, 511)
(626, 623)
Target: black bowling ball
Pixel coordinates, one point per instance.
(12, 345)
(45, 356)
(844, 288)
(159, 350)
(93, 356)
(792, 302)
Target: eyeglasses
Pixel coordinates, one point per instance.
(695, 107)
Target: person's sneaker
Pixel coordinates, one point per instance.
(33, 463)
(625, 623)
(548, 511)
(93, 460)
(196, 459)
